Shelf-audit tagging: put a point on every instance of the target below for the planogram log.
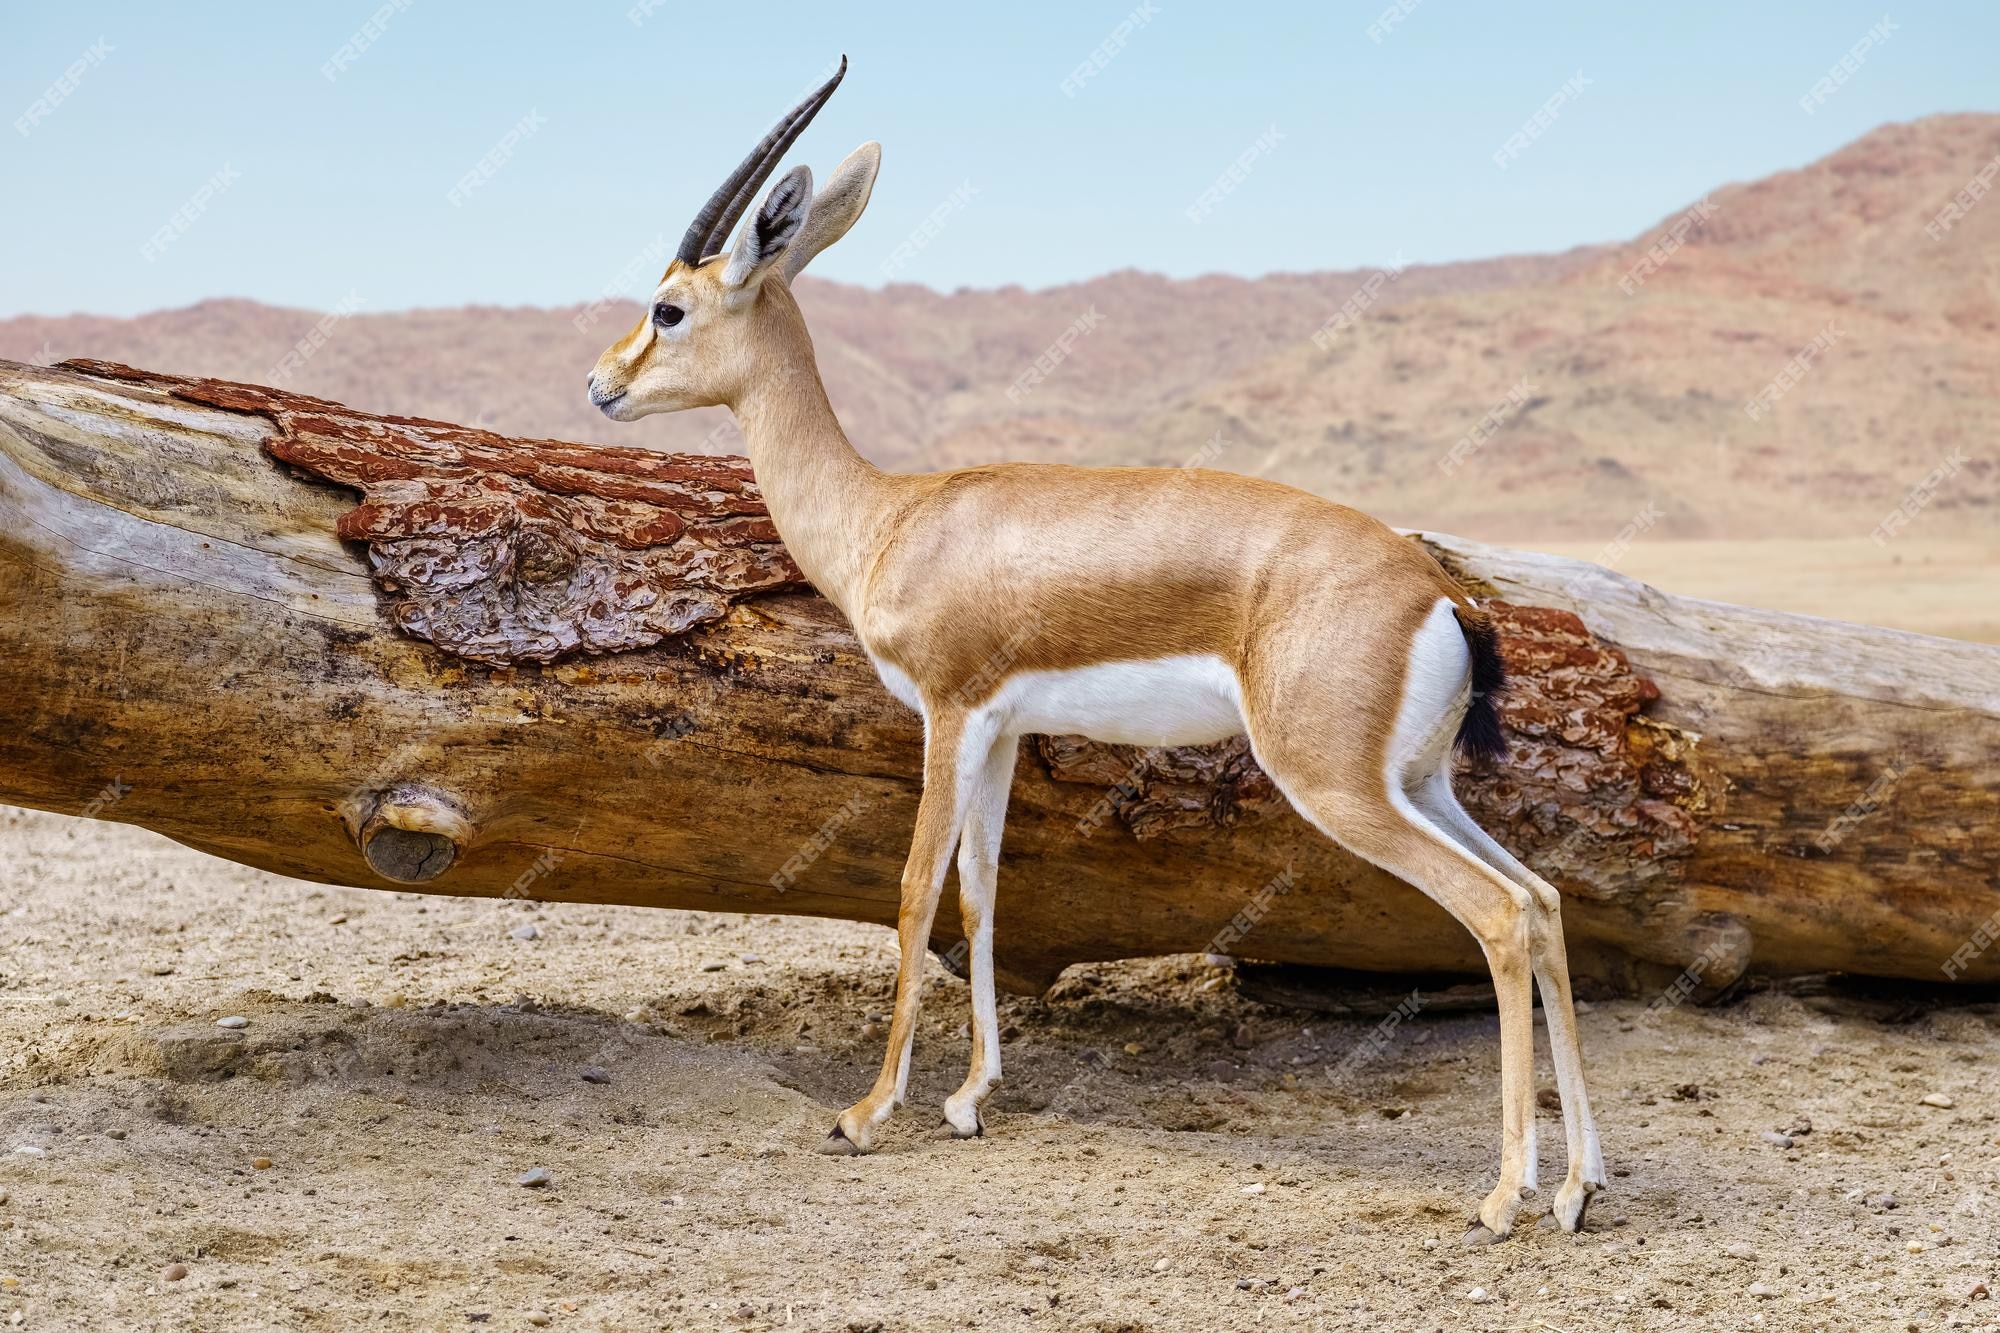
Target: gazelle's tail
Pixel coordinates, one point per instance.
(1479, 733)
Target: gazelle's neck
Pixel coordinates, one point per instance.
(827, 501)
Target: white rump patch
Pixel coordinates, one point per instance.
(1437, 688)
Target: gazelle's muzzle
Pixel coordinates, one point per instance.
(606, 397)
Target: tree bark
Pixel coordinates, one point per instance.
(529, 668)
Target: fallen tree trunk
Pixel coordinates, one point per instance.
(588, 674)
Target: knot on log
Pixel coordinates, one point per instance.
(409, 833)
(1592, 794)
(503, 550)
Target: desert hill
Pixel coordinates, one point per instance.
(1605, 404)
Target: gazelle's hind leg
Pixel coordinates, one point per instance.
(1586, 1158)
(1354, 783)
(1391, 833)
(978, 879)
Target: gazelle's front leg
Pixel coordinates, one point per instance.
(948, 780)
(978, 880)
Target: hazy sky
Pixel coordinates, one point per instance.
(203, 150)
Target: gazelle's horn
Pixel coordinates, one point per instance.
(718, 216)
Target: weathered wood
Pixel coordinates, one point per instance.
(589, 674)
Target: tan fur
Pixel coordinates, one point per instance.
(962, 580)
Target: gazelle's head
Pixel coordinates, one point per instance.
(699, 342)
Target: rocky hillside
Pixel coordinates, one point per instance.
(1517, 399)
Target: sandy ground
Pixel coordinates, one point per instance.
(1166, 1154)
(1942, 587)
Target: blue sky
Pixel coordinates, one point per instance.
(323, 190)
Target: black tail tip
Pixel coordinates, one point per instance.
(1480, 736)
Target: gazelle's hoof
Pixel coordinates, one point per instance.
(946, 1130)
(837, 1144)
(1572, 1202)
(1479, 1235)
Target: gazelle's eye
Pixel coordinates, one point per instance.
(666, 316)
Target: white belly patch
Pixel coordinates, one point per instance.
(1189, 700)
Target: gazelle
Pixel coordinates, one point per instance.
(1132, 605)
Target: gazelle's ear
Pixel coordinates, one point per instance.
(837, 207)
(770, 231)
